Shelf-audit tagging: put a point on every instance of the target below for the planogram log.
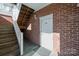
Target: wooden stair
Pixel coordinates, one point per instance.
(8, 41)
(15, 53)
(24, 16)
(8, 50)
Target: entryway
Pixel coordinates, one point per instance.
(32, 49)
(46, 30)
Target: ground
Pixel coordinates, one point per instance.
(31, 49)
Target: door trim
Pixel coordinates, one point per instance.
(52, 26)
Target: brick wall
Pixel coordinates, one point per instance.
(65, 28)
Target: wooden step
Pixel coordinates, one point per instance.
(4, 40)
(7, 32)
(6, 29)
(13, 53)
(5, 36)
(8, 40)
(6, 25)
(7, 44)
(8, 49)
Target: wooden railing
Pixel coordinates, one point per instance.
(24, 16)
(19, 34)
(13, 10)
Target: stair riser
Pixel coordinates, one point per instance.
(7, 45)
(6, 28)
(5, 32)
(7, 36)
(1, 34)
(7, 50)
(13, 53)
(6, 40)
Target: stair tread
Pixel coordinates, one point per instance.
(7, 44)
(2, 29)
(7, 32)
(8, 35)
(4, 34)
(13, 53)
(6, 25)
(7, 39)
(8, 49)
(6, 28)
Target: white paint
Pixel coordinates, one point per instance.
(16, 10)
(36, 6)
(46, 30)
(6, 9)
(19, 34)
(21, 43)
(5, 13)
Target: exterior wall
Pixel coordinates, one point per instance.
(33, 34)
(65, 28)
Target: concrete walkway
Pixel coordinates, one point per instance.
(31, 49)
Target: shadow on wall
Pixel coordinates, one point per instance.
(31, 33)
(28, 31)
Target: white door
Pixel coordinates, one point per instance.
(46, 30)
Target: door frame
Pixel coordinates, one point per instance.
(52, 27)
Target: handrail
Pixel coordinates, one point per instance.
(19, 34)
